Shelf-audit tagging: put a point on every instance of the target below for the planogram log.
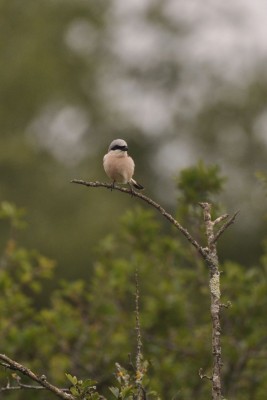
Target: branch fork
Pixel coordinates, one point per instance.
(208, 253)
(41, 380)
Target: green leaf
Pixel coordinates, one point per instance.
(115, 391)
(72, 379)
(88, 383)
(126, 391)
(74, 391)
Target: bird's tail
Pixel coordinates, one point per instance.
(136, 184)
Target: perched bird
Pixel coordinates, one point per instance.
(118, 165)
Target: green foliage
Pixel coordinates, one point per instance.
(83, 390)
(22, 272)
(87, 326)
(13, 214)
(128, 388)
(199, 183)
(243, 340)
(78, 64)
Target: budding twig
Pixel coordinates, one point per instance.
(15, 366)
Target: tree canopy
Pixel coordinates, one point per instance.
(88, 324)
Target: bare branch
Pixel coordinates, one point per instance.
(215, 294)
(21, 386)
(141, 395)
(149, 201)
(220, 219)
(224, 227)
(15, 366)
(209, 253)
(138, 331)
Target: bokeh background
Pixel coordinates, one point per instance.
(179, 80)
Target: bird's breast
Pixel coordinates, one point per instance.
(119, 168)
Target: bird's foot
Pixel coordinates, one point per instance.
(131, 189)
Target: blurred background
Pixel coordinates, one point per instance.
(180, 81)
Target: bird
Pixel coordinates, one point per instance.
(119, 166)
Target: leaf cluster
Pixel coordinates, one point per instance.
(87, 326)
(85, 390)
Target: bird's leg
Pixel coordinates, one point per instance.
(131, 188)
(112, 185)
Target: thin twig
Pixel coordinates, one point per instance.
(225, 226)
(15, 366)
(220, 219)
(209, 254)
(141, 395)
(21, 386)
(24, 386)
(149, 201)
(138, 330)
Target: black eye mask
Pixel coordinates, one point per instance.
(118, 147)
